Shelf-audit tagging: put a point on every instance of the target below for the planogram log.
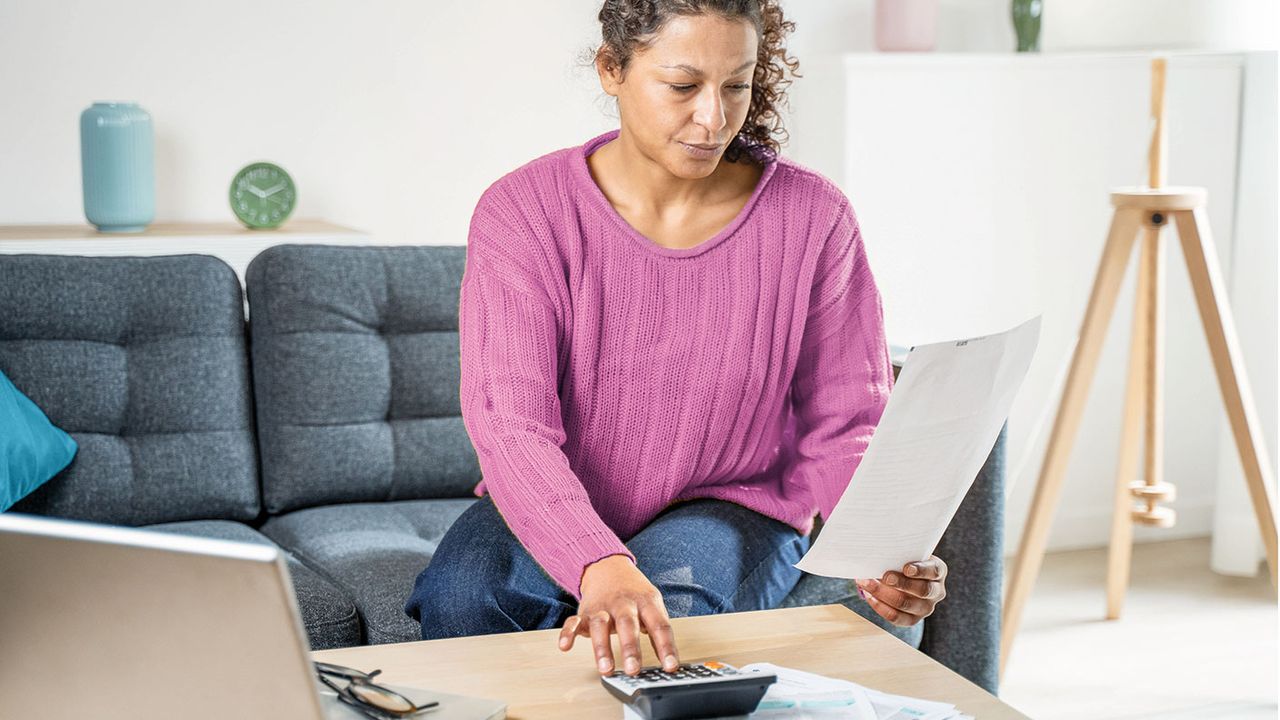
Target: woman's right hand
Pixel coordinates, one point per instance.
(617, 597)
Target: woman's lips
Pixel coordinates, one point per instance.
(700, 152)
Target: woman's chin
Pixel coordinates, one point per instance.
(691, 169)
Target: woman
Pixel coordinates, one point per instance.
(673, 357)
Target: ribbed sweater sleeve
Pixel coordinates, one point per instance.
(843, 375)
(509, 352)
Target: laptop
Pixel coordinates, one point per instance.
(109, 622)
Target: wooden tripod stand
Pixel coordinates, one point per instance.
(1148, 210)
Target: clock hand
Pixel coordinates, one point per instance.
(274, 189)
(255, 190)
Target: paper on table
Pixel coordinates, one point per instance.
(800, 695)
(942, 420)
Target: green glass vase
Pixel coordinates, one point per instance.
(1026, 23)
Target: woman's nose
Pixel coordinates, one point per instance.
(710, 111)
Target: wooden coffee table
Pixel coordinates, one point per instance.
(529, 673)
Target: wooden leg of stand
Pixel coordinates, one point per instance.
(1093, 330)
(1135, 400)
(1153, 460)
(1152, 489)
(1219, 330)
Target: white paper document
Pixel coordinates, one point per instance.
(941, 421)
(800, 695)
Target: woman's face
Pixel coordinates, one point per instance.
(690, 87)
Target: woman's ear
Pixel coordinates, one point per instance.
(610, 73)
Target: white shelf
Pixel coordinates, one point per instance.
(233, 243)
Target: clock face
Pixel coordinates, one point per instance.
(262, 195)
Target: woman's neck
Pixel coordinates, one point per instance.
(628, 177)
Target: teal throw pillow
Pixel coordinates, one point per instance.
(32, 449)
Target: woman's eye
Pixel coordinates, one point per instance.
(687, 88)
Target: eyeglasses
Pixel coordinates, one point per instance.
(358, 690)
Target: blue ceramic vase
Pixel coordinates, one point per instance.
(117, 162)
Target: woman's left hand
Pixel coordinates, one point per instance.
(905, 598)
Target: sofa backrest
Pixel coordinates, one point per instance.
(355, 362)
(143, 362)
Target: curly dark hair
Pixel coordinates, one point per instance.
(630, 25)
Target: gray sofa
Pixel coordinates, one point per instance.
(328, 424)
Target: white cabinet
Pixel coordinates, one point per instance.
(981, 186)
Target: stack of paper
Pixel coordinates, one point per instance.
(799, 695)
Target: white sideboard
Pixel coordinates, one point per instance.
(981, 184)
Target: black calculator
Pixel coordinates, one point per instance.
(703, 690)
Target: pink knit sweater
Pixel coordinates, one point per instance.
(605, 377)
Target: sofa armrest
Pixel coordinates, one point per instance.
(963, 632)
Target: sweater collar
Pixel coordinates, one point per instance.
(595, 197)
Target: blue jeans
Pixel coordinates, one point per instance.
(704, 556)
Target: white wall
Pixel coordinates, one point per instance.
(1167, 24)
(394, 115)
(1251, 273)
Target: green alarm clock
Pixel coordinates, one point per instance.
(262, 195)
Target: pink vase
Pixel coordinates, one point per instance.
(906, 25)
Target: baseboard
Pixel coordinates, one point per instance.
(1091, 527)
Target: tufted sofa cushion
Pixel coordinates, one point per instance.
(355, 359)
(373, 552)
(328, 615)
(142, 361)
